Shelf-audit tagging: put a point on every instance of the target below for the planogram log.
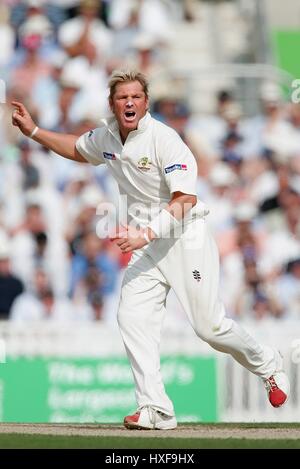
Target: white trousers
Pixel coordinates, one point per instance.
(189, 265)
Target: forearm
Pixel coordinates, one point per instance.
(177, 208)
(180, 205)
(74, 50)
(160, 227)
(63, 144)
(78, 47)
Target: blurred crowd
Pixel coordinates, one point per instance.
(56, 57)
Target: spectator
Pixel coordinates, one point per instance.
(94, 256)
(25, 75)
(146, 58)
(89, 293)
(287, 288)
(125, 35)
(37, 22)
(86, 33)
(240, 245)
(270, 130)
(7, 36)
(46, 90)
(254, 298)
(32, 248)
(30, 173)
(213, 128)
(84, 220)
(70, 81)
(153, 17)
(39, 304)
(219, 196)
(10, 285)
(283, 242)
(24, 241)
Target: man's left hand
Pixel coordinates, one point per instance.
(129, 239)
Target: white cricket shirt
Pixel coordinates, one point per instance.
(153, 163)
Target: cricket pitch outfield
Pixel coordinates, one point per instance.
(220, 435)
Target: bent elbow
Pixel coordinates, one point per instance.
(192, 200)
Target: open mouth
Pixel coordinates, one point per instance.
(129, 115)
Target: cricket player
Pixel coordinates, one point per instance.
(170, 242)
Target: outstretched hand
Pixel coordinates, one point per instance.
(129, 238)
(22, 119)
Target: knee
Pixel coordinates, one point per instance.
(207, 335)
(213, 334)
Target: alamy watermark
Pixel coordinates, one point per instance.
(295, 96)
(138, 215)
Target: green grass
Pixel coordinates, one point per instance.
(20, 441)
(228, 425)
(13, 441)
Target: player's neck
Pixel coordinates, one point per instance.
(124, 134)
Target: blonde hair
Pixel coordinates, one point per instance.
(124, 76)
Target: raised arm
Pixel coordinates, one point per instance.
(63, 144)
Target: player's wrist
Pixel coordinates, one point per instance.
(33, 132)
(163, 224)
(148, 235)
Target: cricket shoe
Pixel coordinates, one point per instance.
(148, 418)
(278, 385)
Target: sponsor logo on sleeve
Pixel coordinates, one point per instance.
(109, 156)
(173, 167)
(90, 133)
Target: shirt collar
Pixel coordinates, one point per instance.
(143, 122)
(112, 125)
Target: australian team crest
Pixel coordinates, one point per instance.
(144, 163)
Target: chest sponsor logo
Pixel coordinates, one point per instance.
(144, 163)
(109, 156)
(173, 167)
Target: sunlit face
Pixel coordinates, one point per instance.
(129, 104)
